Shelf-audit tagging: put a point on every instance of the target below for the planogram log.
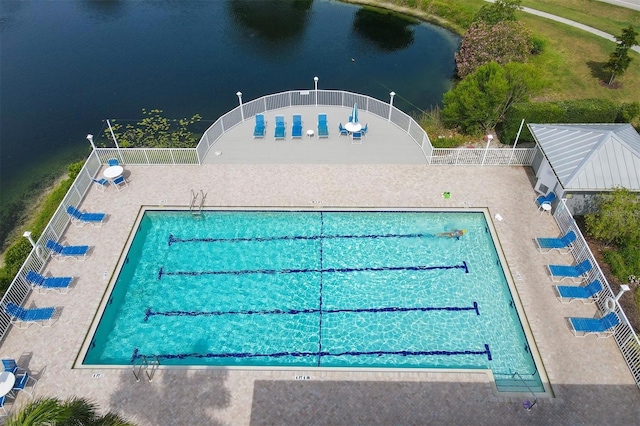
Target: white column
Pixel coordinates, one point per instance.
(239, 95)
(315, 88)
(392, 94)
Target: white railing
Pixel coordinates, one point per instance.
(624, 335)
(20, 288)
(319, 99)
(483, 156)
(337, 98)
(149, 156)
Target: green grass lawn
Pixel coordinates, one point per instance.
(603, 16)
(572, 61)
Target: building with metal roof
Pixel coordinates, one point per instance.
(578, 161)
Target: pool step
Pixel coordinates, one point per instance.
(516, 385)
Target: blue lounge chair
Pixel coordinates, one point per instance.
(61, 252)
(101, 184)
(280, 131)
(22, 382)
(38, 282)
(546, 245)
(546, 198)
(323, 129)
(3, 400)
(23, 318)
(601, 327)
(577, 272)
(586, 294)
(11, 366)
(112, 162)
(120, 180)
(296, 129)
(260, 129)
(82, 218)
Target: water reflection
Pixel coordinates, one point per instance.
(387, 30)
(272, 20)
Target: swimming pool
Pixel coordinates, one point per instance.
(373, 289)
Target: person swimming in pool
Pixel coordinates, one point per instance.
(456, 233)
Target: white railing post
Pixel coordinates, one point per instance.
(484, 157)
(90, 139)
(516, 141)
(239, 95)
(392, 94)
(113, 135)
(315, 88)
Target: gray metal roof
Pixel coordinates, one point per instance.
(591, 156)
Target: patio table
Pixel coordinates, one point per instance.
(7, 380)
(113, 172)
(353, 127)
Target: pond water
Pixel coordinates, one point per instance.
(67, 66)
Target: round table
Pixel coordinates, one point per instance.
(310, 133)
(353, 127)
(7, 380)
(113, 172)
(545, 208)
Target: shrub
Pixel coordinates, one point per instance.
(617, 219)
(575, 111)
(481, 100)
(74, 169)
(502, 43)
(624, 262)
(537, 44)
(499, 11)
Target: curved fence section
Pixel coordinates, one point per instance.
(315, 98)
(624, 335)
(20, 287)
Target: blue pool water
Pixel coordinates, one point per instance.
(313, 289)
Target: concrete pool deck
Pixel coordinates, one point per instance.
(589, 378)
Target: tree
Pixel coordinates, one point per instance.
(617, 219)
(71, 412)
(501, 10)
(619, 59)
(483, 43)
(480, 101)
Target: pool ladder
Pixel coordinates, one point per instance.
(528, 405)
(149, 366)
(195, 207)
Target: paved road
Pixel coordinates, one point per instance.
(630, 4)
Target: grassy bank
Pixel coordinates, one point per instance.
(38, 219)
(596, 14)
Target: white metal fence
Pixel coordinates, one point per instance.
(624, 336)
(319, 98)
(333, 98)
(149, 156)
(19, 288)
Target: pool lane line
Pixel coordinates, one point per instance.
(464, 266)
(174, 240)
(150, 313)
(320, 290)
(136, 354)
